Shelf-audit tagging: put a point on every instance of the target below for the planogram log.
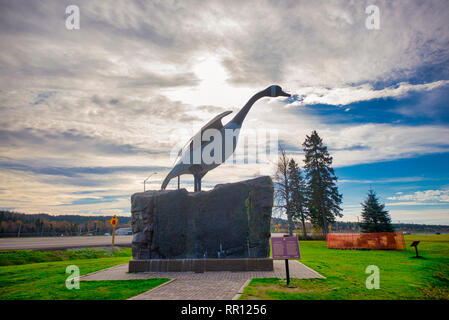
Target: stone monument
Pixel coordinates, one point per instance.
(224, 229)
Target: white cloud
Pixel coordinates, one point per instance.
(412, 215)
(350, 94)
(139, 76)
(429, 216)
(389, 180)
(367, 143)
(440, 196)
(411, 203)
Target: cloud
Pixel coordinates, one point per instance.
(96, 200)
(96, 108)
(79, 171)
(387, 181)
(68, 142)
(441, 196)
(411, 203)
(428, 216)
(352, 144)
(385, 142)
(350, 94)
(153, 44)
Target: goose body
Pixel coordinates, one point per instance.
(190, 159)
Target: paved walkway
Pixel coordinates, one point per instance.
(222, 285)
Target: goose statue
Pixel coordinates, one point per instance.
(190, 158)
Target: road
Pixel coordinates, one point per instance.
(50, 243)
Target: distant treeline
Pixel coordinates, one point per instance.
(354, 226)
(42, 224)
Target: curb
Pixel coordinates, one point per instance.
(92, 273)
(240, 292)
(310, 269)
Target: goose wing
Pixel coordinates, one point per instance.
(216, 123)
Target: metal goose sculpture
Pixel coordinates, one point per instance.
(195, 146)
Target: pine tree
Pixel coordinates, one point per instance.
(298, 201)
(374, 216)
(323, 197)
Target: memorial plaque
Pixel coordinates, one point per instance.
(285, 248)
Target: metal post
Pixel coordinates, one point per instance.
(113, 236)
(178, 181)
(287, 272)
(144, 181)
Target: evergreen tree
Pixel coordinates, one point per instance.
(298, 201)
(323, 197)
(374, 216)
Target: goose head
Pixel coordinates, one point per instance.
(276, 91)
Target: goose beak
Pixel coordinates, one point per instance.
(284, 94)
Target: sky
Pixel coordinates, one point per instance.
(87, 114)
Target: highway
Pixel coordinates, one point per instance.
(52, 243)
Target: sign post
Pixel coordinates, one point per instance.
(287, 272)
(114, 222)
(415, 244)
(285, 248)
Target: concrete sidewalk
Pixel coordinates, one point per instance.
(222, 285)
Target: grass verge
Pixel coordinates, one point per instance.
(46, 281)
(401, 275)
(18, 257)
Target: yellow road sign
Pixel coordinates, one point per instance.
(114, 221)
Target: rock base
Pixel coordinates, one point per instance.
(200, 265)
(230, 221)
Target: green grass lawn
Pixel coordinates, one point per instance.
(46, 280)
(401, 276)
(15, 257)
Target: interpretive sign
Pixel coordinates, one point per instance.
(285, 248)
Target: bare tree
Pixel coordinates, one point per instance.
(282, 188)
